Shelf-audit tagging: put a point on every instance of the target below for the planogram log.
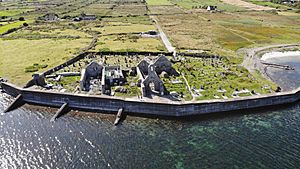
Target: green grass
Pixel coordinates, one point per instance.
(212, 74)
(16, 55)
(5, 28)
(129, 28)
(129, 43)
(225, 33)
(269, 4)
(69, 83)
(189, 4)
(35, 32)
(159, 2)
(13, 12)
(35, 67)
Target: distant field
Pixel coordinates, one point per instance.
(159, 2)
(247, 5)
(13, 12)
(268, 4)
(5, 28)
(225, 33)
(129, 28)
(189, 4)
(129, 43)
(16, 55)
(49, 30)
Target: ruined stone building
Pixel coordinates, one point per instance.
(93, 70)
(108, 75)
(50, 17)
(149, 70)
(111, 76)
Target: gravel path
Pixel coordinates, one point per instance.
(163, 36)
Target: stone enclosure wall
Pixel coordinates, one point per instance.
(172, 109)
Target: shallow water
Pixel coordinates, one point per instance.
(256, 139)
(288, 79)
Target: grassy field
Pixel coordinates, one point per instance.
(5, 28)
(13, 12)
(128, 43)
(225, 33)
(124, 37)
(124, 28)
(44, 30)
(190, 4)
(269, 4)
(16, 55)
(158, 2)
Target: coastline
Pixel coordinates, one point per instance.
(253, 59)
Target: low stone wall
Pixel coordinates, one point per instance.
(175, 109)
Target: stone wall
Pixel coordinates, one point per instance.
(175, 109)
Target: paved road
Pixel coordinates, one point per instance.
(163, 36)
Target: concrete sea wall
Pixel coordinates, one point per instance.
(175, 109)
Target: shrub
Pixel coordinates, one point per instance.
(31, 69)
(11, 30)
(35, 67)
(104, 50)
(21, 19)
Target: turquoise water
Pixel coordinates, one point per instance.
(255, 139)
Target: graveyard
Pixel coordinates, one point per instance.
(187, 78)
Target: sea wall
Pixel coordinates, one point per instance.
(175, 109)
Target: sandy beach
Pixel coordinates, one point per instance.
(271, 55)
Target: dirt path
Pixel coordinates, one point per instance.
(247, 5)
(163, 36)
(189, 87)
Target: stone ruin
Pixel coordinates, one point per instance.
(106, 76)
(149, 70)
(98, 78)
(38, 80)
(92, 71)
(50, 17)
